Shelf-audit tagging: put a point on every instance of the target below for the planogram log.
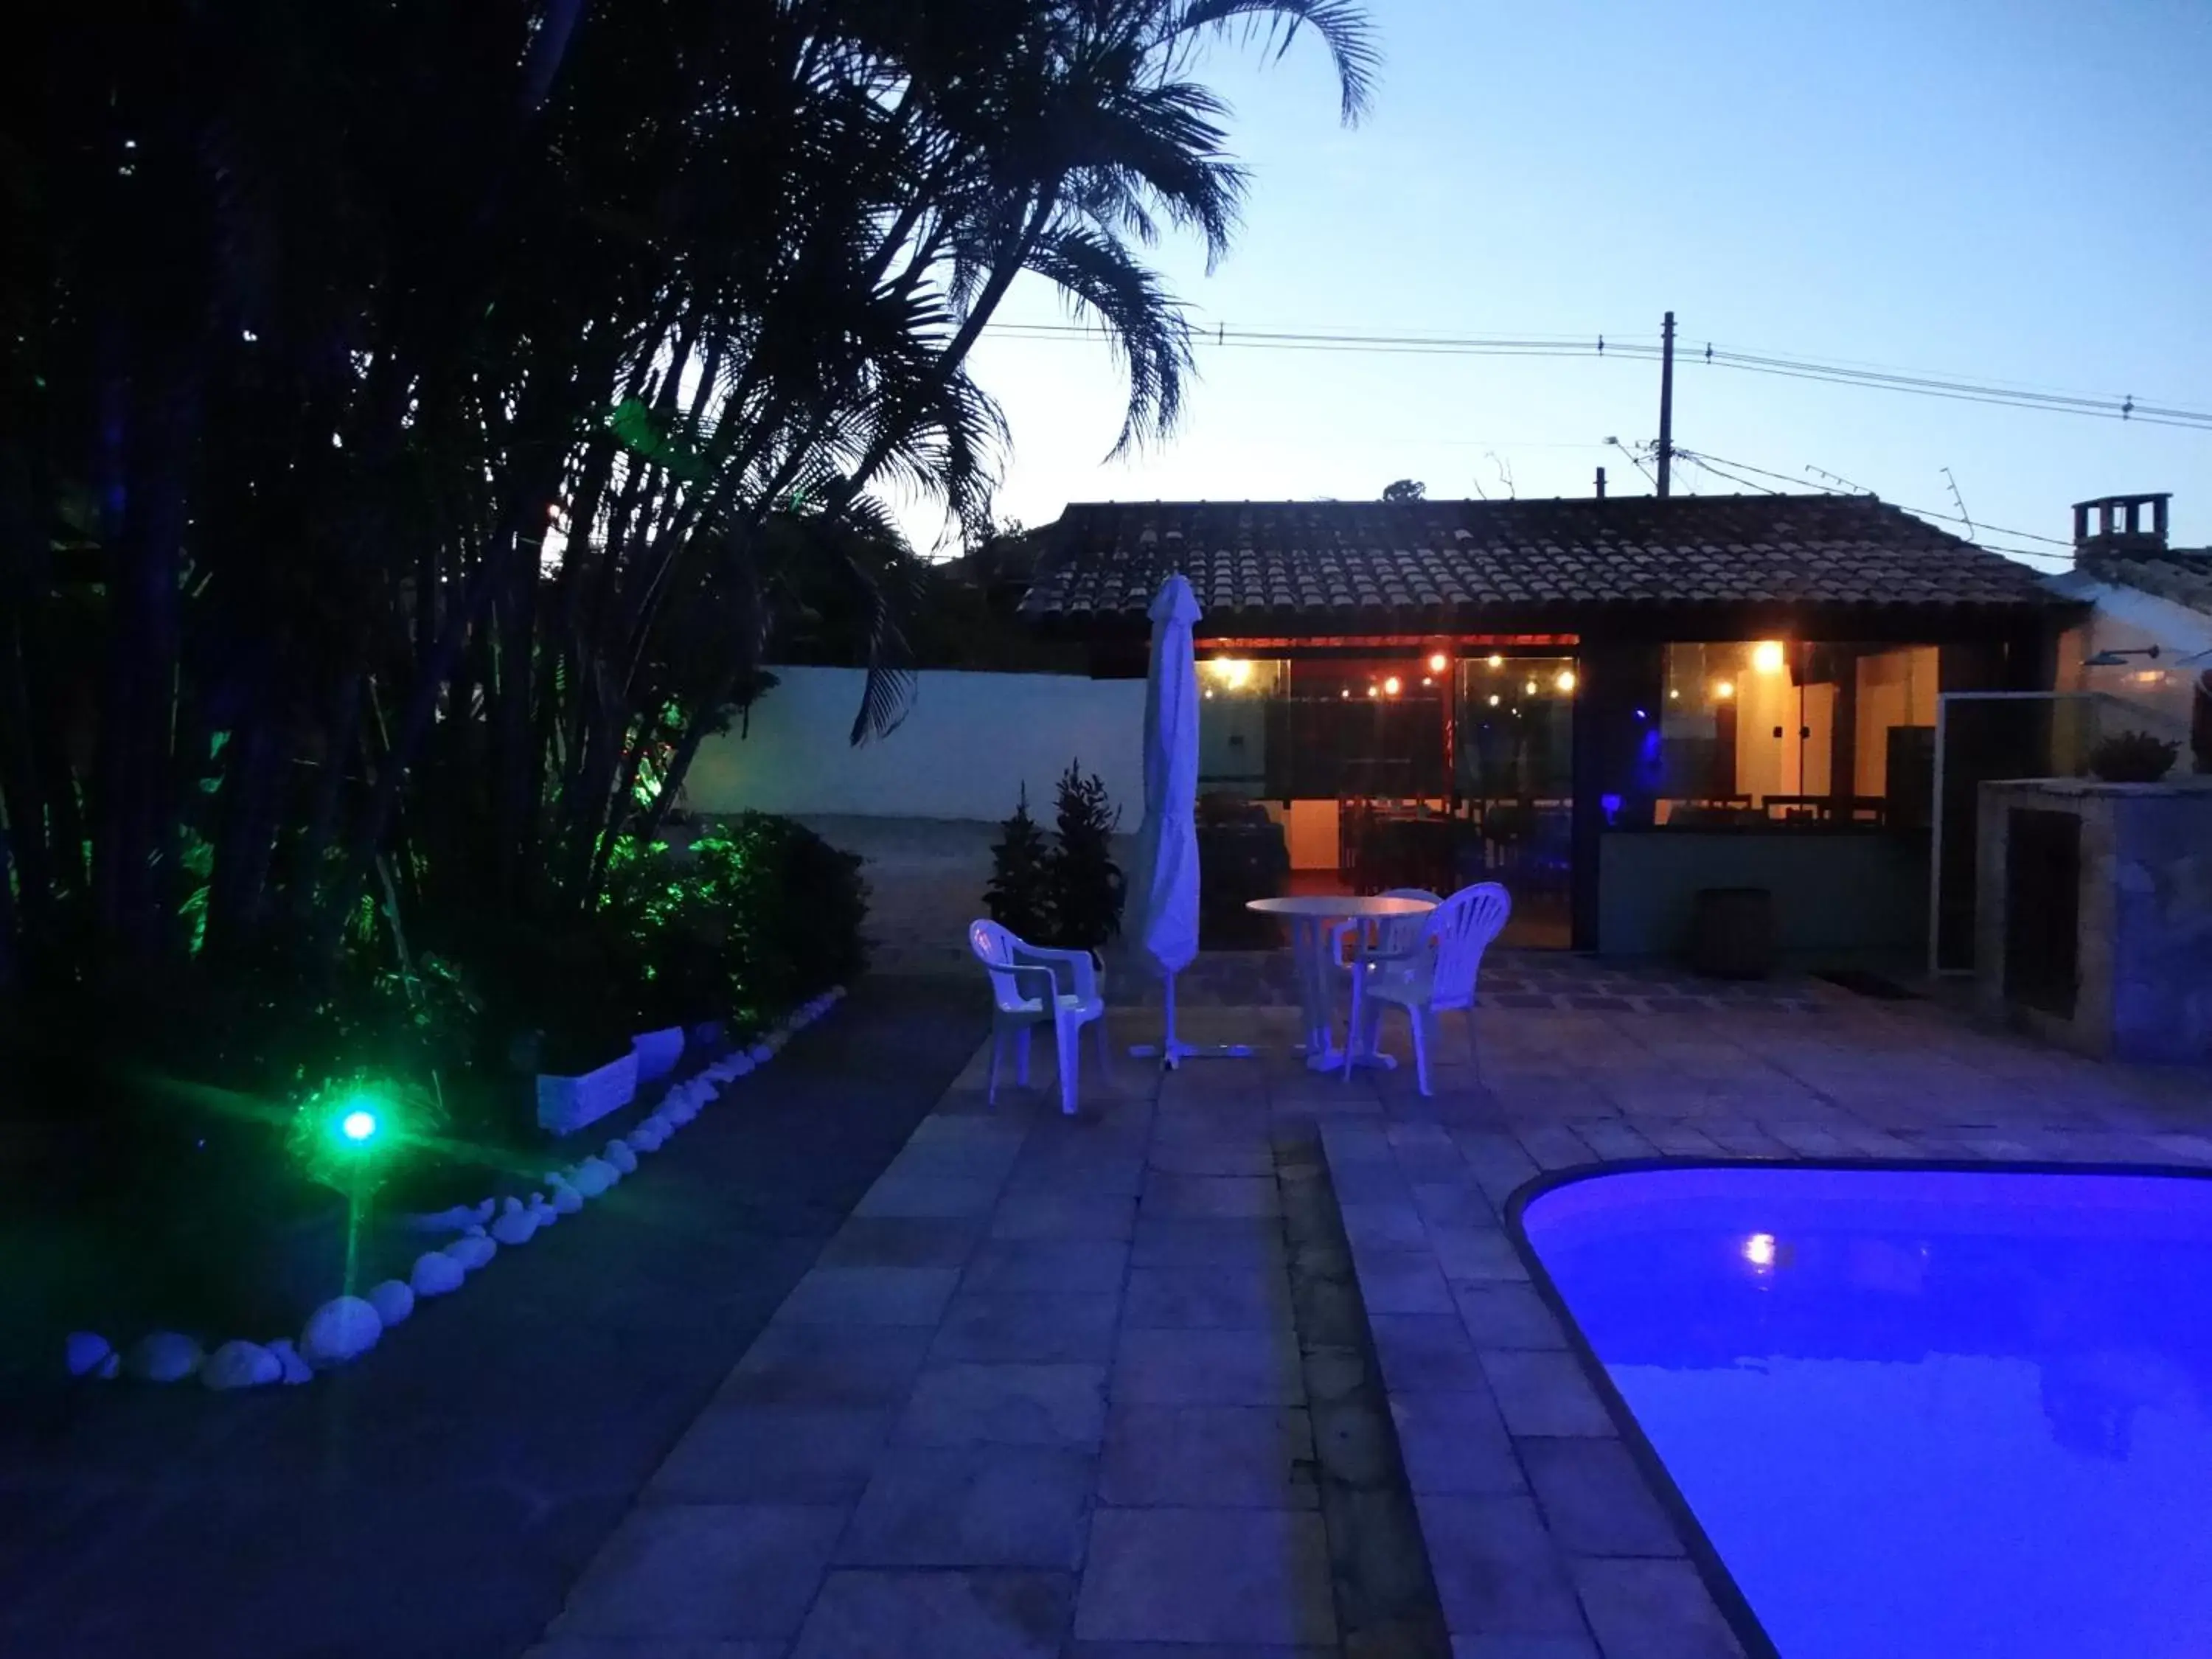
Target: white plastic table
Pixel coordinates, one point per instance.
(1310, 916)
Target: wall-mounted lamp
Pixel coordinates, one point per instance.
(2113, 658)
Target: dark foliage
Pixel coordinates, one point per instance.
(1405, 490)
(1087, 886)
(1019, 897)
(2133, 757)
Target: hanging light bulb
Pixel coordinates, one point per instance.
(1567, 679)
(1439, 662)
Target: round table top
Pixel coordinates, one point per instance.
(1330, 906)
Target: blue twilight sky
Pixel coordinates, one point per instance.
(2002, 190)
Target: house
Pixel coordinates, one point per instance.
(1610, 704)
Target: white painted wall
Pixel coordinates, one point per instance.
(969, 746)
(2158, 694)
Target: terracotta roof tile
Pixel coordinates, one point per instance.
(1445, 562)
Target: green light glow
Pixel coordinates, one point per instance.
(358, 1125)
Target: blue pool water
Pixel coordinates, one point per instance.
(1918, 1413)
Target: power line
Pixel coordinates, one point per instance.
(1995, 393)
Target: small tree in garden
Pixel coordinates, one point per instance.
(1087, 885)
(1019, 897)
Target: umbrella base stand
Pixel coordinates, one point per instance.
(1172, 1050)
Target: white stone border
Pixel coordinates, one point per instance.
(347, 1327)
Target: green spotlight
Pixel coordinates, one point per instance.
(358, 1125)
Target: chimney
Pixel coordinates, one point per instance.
(2115, 524)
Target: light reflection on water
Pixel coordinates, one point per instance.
(1919, 1413)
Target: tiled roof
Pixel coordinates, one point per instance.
(2183, 574)
(1360, 564)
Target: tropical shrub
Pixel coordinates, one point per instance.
(1019, 897)
(1087, 887)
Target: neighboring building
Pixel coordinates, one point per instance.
(2148, 640)
(1610, 704)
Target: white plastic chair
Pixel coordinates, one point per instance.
(1436, 974)
(1385, 935)
(1026, 994)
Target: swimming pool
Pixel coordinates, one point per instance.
(1917, 1413)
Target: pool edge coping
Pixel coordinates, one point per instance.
(1728, 1596)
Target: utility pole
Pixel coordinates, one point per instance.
(1666, 404)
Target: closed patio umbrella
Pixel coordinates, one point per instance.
(1168, 840)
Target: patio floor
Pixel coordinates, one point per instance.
(1044, 1396)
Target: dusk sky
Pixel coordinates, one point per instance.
(2004, 191)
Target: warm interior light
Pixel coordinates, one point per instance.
(1235, 672)
(1673, 696)
(1723, 688)
(1566, 680)
(1530, 688)
(1760, 1249)
(1767, 656)
(1390, 686)
(1374, 690)
(1497, 661)
(1426, 680)
(1344, 694)
(1439, 662)
(1493, 700)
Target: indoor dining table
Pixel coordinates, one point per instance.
(1310, 918)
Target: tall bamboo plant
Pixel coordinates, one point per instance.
(414, 423)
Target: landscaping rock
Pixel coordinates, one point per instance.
(87, 1353)
(294, 1370)
(544, 1213)
(436, 1273)
(471, 1251)
(566, 1199)
(515, 1227)
(163, 1357)
(344, 1327)
(393, 1301)
(763, 1051)
(618, 1153)
(741, 1064)
(241, 1366)
(594, 1175)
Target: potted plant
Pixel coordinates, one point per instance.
(2132, 758)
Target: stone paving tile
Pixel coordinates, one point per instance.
(1248, 1297)
(829, 1365)
(973, 1506)
(737, 1454)
(1216, 1457)
(869, 1295)
(1064, 1214)
(1190, 1650)
(1426, 1353)
(651, 1647)
(1545, 1393)
(1010, 1405)
(1207, 1368)
(1382, 1226)
(1456, 1443)
(1206, 1195)
(1403, 1282)
(690, 1570)
(1082, 1267)
(939, 1615)
(939, 1195)
(1507, 1316)
(898, 1241)
(1496, 1571)
(1595, 1500)
(1028, 1327)
(1207, 1157)
(1453, 1203)
(1523, 1647)
(1209, 1242)
(1477, 1253)
(1197, 1575)
(1652, 1610)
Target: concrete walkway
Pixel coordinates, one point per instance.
(1041, 1396)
